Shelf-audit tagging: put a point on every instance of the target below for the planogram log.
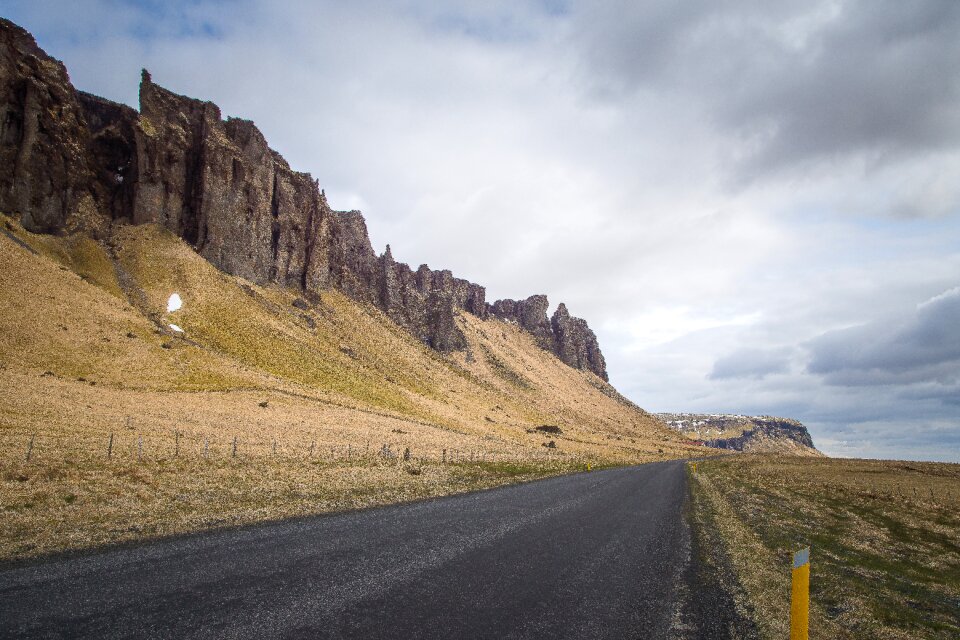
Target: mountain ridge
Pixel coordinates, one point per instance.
(71, 161)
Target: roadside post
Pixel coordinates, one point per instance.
(800, 597)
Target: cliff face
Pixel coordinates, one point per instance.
(70, 161)
(570, 338)
(44, 139)
(575, 343)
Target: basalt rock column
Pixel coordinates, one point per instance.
(575, 343)
(45, 176)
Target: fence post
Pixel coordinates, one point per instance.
(139, 448)
(176, 444)
(30, 447)
(349, 452)
(110, 447)
(800, 596)
(444, 459)
(234, 454)
(313, 444)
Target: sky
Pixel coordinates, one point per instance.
(755, 205)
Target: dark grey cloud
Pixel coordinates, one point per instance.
(946, 392)
(891, 440)
(923, 347)
(794, 82)
(751, 363)
(881, 78)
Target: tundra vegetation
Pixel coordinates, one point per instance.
(115, 428)
(884, 539)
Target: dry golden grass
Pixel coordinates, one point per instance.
(884, 538)
(86, 356)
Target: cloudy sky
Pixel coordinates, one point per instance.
(755, 205)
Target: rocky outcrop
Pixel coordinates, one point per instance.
(218, 185)
(569, 338)
(743, 433)
(575, 343)
(530, 315)
(45, 171)
(72, 161)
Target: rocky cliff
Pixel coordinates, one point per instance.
(570, 338)
(74, 162)
(743, 433)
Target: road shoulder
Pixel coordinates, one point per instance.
(715, 605)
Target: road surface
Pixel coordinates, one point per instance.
(595, 555)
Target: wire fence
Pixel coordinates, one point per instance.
(124, 445)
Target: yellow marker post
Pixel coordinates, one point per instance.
(800, 601)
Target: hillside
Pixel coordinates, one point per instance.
(98, 312)
(302, 373)
(754, 434)
(117, 427)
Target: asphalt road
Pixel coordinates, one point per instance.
(596, 555)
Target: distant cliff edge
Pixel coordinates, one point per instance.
(71, 162)
(743, 433)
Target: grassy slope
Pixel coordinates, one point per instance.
(884, 538)
(85, 353)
